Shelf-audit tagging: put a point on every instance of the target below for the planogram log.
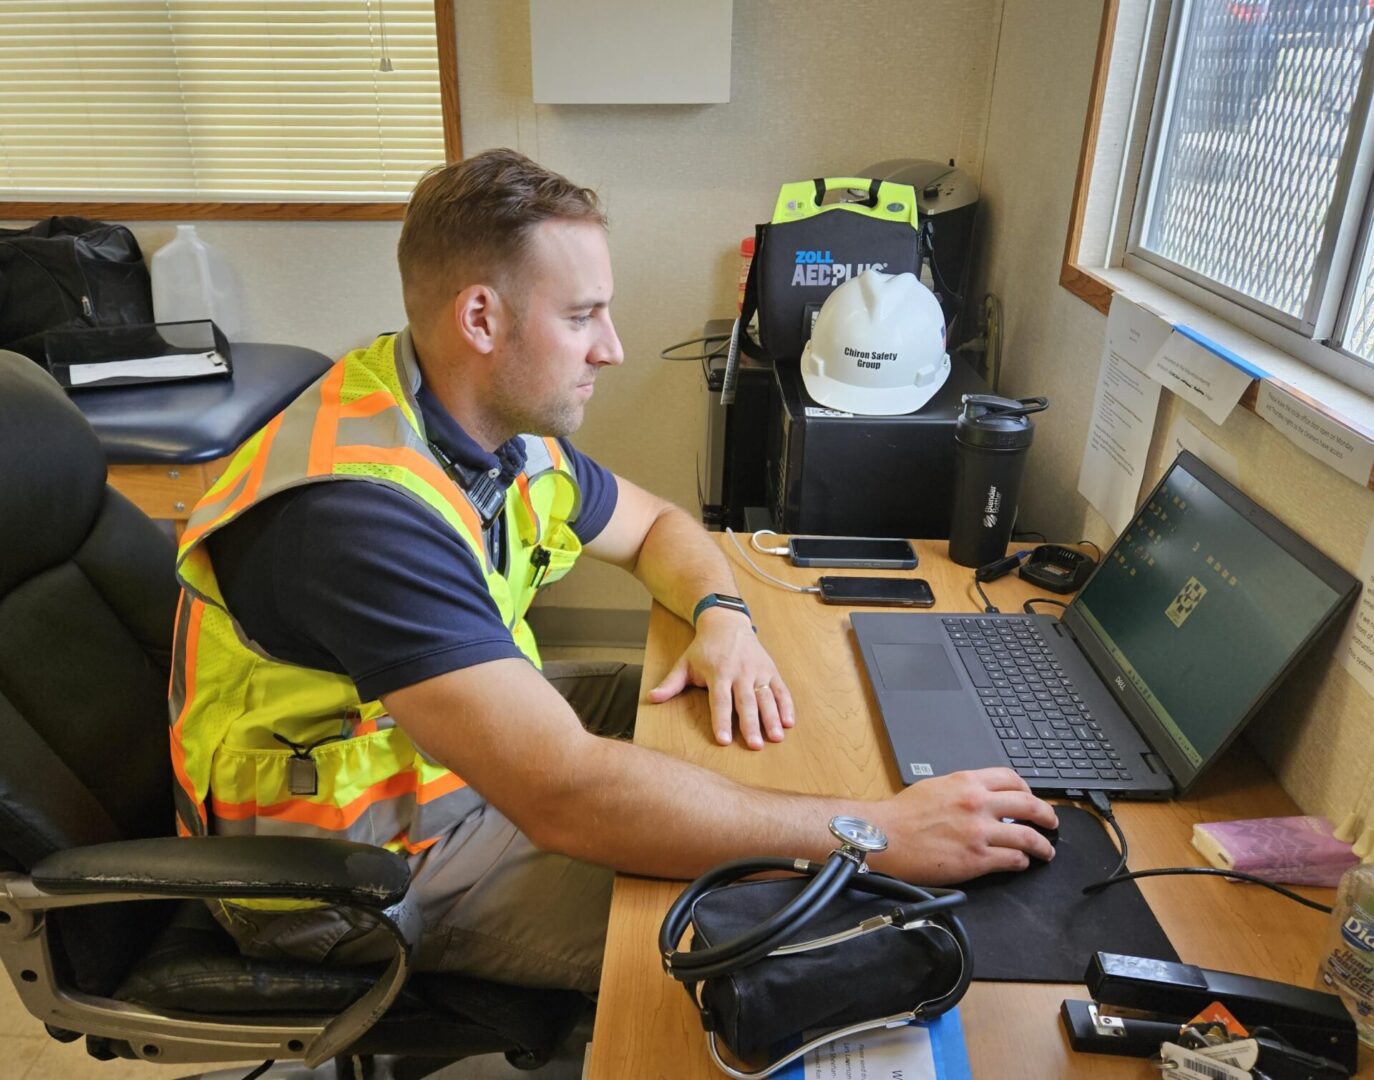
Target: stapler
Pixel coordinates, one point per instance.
(1312, 1034)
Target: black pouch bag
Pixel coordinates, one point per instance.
(810, 248)
(755, 1009)
(68, 273)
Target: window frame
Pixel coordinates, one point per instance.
(1081, 278)
(446, 41)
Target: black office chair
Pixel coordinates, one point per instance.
(103, 926)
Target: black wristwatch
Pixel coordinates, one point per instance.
(715, 599)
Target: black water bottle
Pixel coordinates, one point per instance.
(990, 445)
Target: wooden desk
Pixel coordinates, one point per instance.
(645, 1026)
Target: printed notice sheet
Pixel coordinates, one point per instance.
(1346, 451)
(1356, 649)
(1202, 372)
(933, 1051)
(1184, 435)
(1123, 415)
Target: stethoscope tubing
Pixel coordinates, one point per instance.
(828, 880)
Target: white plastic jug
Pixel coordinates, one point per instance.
(193, 280)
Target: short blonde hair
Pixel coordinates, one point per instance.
(471, 222)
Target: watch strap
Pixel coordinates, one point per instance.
(710, 600)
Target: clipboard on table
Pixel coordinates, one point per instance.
(139, 355)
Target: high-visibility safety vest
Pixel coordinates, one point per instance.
(261, 746)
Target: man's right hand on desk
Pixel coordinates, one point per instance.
(949, 828)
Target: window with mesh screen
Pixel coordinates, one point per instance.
(218, 100)
(1253, 187)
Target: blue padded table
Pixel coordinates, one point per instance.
(166, 443)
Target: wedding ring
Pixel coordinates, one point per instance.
(762, 686)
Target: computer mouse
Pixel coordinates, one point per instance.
(1052, 835)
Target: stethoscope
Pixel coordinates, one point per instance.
(845, 868)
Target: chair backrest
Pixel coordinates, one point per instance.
(87, 604)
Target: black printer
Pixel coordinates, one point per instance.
(838, 474)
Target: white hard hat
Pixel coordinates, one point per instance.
(878, 346)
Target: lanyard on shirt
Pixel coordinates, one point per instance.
(485, 494)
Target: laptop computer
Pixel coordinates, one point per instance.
(1187, 625)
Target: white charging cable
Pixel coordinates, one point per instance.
(754, 543)
(767, 551)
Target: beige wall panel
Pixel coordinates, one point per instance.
(1316, 732)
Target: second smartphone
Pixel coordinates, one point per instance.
(865, 552)
(900, 592)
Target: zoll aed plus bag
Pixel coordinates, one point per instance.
(812, 246)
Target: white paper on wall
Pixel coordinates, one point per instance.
(1202, 372)
(1184, 435)
(1356, 648)
(1349, 452)
(1123, 416)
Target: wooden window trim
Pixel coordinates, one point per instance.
(447, 42)
(1078, 279)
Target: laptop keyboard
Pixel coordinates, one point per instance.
(1045, 727)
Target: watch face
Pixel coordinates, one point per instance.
(729, 601)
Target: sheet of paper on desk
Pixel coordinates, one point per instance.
(1123, 415)
(933, 1051)
(176, 366)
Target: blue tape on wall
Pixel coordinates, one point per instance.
(1251, 369)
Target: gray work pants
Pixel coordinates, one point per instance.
(483, 900)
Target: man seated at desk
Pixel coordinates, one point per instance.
(352, 659)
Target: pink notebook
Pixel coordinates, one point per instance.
(1294, 850)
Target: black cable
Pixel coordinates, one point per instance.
(1028, 606)
(718, 338)
(1094, 547)
(988, 608)
(260, 1069)
(1098, 886)
(1103, 805)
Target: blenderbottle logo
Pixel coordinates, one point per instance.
(992, 506)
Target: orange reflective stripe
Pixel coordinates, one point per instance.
(320, 461)
(523, 483)
(439, 787)
(369, 405)
(555, 451)
(323, 815)
(250, 488)
(365, 727)
(188, 666)
(423, 467)
(404, 841)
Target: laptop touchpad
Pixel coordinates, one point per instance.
(915, 667)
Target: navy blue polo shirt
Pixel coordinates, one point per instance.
(358, 579)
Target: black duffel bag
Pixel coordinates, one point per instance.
(68, 273)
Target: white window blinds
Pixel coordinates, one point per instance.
(218, 100)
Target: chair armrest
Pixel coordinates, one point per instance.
(250, 867)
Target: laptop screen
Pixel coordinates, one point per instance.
(1201, 605)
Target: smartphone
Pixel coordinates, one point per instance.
(902, 592)
(865, 552)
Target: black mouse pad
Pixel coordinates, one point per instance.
(1037, 926)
